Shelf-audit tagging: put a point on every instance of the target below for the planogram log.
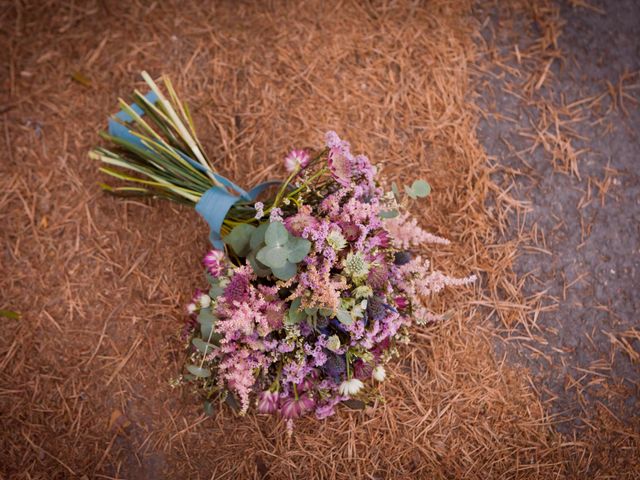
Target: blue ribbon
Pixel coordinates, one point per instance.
(216, 202)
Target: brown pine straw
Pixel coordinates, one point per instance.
(100, 282)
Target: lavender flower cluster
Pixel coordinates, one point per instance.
(314, 294)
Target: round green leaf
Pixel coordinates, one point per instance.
(238, 239)
(421, 188)
(259, 268)
(298, 249)
(257, 237)
(273, 257)
(276, 234)
(286, 272)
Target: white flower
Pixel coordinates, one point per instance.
(336, 240)
(259, 206)
(379, 373)
(205, 300)
(350, 387)
(356, 265)
(333, 343)
(191, 308)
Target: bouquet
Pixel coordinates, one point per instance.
(308, 290)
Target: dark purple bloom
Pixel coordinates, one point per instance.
(335, 366)
(402, 258)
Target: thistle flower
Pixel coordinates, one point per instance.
(268, 402)
(379, 373)
(350, 387)
(356, 265)
(296, 159)
(191, 308)
(336, 240)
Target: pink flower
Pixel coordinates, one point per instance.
(292, 408)
(296, 159)
(340, 160)
(301, 220)
(401, 303)
(268, 402)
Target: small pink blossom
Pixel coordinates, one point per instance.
(296, 159)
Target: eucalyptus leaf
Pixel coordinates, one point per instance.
(276, 234)
(202, 346)
(286, 272)
(355, 404)
(389, 214)
(209, 408)
(344, 317)
(420, 188)
(232, 402)
(206, 316)
(259, 268)
(238, 239)
(394, 189)
(298, 249)
(216, 290)
(273, 256)
(294, 315)
(410, 192)
(206, 330)
(199, 371)
(257, 237)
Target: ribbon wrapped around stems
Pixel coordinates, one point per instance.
(215, 203)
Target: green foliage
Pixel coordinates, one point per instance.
(276, 235)
(298, 249)
(344, 317)
(274, 250)
(239, 239)
(209, 408)
(10, 314)
(294, 315)
(419, 189)
(199, 372)
(389, 214)
(286, 272)
(159, 168)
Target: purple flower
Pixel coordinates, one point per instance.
(268, 402)
(292, 408)
(238, 287)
